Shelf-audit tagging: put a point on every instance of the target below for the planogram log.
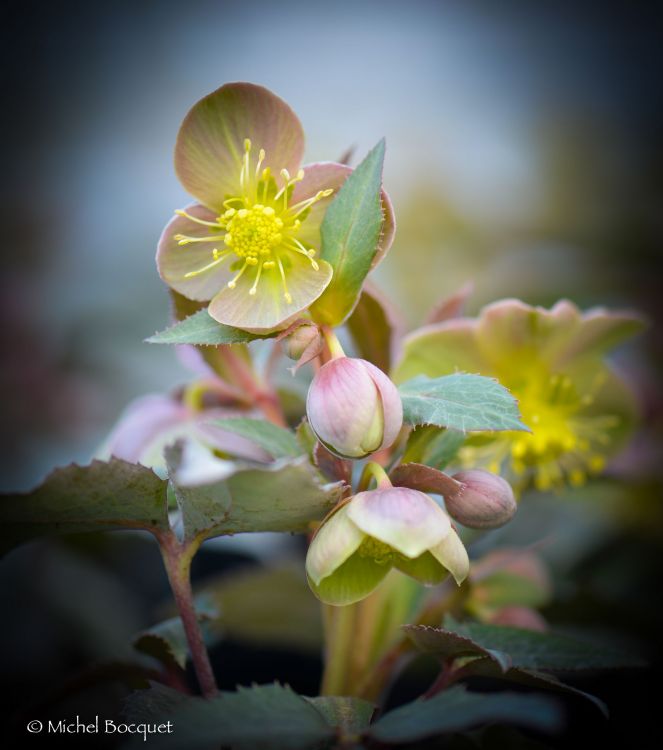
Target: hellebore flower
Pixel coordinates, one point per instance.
(390, 527)
(353, 408)
(249, 244)
(578, 409)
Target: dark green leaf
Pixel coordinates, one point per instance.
(269, 717)
(350, 233)
(201, 329)
(350, 715)
(456, 709)
(468, 403)
(153, 705)
(103, 496)
(277, 441)
(449, 645)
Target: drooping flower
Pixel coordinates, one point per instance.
(375, 531)
(353, 408)
(250, 244)
(578, 409)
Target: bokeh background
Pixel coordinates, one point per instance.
(524, 154)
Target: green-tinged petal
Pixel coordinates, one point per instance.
(441, 349)
(210, 143)
(351, 582)
(322, 176)
(175, 261)
(407, 520)
(512, 335)
(268, 309)
(452, 554)
(335, 541)
(425, 568)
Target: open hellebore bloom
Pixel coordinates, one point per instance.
(353, 408)
(578, 409)
(250, 243)
(394, 527)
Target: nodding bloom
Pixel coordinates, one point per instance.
(353, 408)
(552, 361)
(250, 245)
(375, 531)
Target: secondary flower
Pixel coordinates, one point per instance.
(483, 500)
(353, 407)
(375, 531)
(578, 409)
(250, 244)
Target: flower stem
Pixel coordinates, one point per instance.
(333, 344)
(339, 624)
(373, 470)
(177, 561)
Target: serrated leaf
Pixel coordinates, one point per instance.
(449, 645)
(277, 441)
(456, 709)
(152, 705)
(104, 496)
(284, 496)
(350, 233)
(201, 329)
(269, 717)
(468, 403)
(349, 715)
(548, 652)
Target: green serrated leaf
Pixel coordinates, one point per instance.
(456, 709)
(467, 403)
(104, 496)
(350, 233)
(153, 705)
(351, 716)
(269, 717)
(284, 496)
(201, 329)
(277, 441)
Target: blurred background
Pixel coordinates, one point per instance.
(524, 154)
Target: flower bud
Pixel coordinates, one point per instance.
(302, 338)
(375, 531)
(483, 500)
(353, 408)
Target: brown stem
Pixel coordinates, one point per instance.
(177, 560)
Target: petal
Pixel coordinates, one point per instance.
(405, 519)
(425, 568)
(268, 310)
(336, 539)
(174, 261)
(328, 174)
(210, 143)
(452, 554)
(353, 581)
(392, 406)
(441, 349)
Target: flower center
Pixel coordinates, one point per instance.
(376, 550)
(259, 226)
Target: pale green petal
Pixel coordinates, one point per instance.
(452, 554)
(210, 143)
(407, 520)
(334, 542)
(425, 568)
(351, 582)
(268, 309)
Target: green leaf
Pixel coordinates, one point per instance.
(284, 496)
(269, 717)
(351, 715)
(549, 652)
(153, 705)
(456, 709)
(201, 329)
(468, 403)
(103, 496)
(372, 328)
(350, 233)
(277, 441)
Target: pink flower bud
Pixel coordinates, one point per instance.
(483, 500)
(302, 338)
(353, 408)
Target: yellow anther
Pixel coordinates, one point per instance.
(247, 145)
(268, 264)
